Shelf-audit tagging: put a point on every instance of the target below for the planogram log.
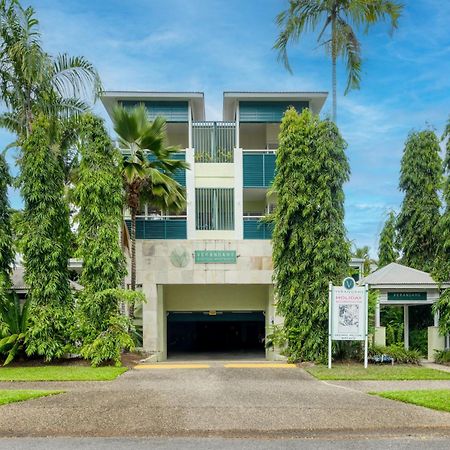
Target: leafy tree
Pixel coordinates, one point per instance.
(45, 241)
(309, 242)
(98, 195)
(147, 168)
(420, 180)
(337, 21)
(6, 240)
(441, 269)
(387, 252)
(363, 253)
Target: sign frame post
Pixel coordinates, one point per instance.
(348, 315)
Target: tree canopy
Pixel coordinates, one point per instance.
(310, 247)
(387, 252)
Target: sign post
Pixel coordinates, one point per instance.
(348, 315)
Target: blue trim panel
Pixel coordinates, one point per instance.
(159, 229)
(172, 111)
(259, 169)
(255, 229)
(266, 112)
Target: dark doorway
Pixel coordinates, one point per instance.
(221, 333)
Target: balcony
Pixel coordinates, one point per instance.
(160, 227)
(259, 168)
(214, 142)
(254, 228)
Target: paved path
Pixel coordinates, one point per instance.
(264, 402)
(431, 443)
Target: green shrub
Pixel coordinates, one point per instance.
(442, 356)
(418, 340)
(398, 353)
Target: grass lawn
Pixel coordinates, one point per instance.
(60, 373)
(433, 398)
(11, 396)
(396, 372)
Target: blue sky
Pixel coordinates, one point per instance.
(218, 45)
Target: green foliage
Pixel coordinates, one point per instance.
(387, 253)
(420, 180)
(45, 241)
(104, 331)
(442, 306)
(442, 356)
(418, 340)
(15, 395)
(309, 243)
(398, 353)
(438, 399)
(363, 253)
(6, 240)
(14, 323)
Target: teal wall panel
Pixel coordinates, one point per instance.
(266, 112)
(259, 169)
(159, 229)
(255, 229)
(172, 111)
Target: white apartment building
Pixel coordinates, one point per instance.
(207, 272)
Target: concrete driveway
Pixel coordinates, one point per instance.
(263, 402)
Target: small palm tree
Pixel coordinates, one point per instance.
(342, 16)
(148, 167)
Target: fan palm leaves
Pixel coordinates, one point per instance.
(148, 167)
(336, 21)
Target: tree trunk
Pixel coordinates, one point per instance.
(133, 258)
(333, 68)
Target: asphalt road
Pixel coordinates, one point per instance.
(219, 402)
(431, 443)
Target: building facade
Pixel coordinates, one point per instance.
(207, 272)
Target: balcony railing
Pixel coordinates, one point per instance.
(159, 227)
(214, 142)
(254, 228)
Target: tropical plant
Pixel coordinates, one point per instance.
(100, 333)
(363, 253)
(338, 21)
(420, 181)
(31, 81)
(14, 325)
(45, 241)
(387, 253)
(441, 269)
(6, 239)
(148, 167)
(398, 353)
(310, 247)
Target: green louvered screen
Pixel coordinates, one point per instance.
(259, 169)
(255, 229)
(266, 112)
(159, 229)
(172, 111)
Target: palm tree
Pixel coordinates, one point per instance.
(31, 81)
(147, 167)
(342, 16)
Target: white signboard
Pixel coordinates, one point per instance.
(348, 311)
(348, 314)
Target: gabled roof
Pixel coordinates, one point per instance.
(395, 274)
(19, 285)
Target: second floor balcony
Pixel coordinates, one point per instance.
(160, 227)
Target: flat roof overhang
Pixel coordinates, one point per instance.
(197, 99)
(315, 99)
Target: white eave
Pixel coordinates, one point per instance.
(197, 99)
(316, 99)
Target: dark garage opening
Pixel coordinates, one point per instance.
(220, 333)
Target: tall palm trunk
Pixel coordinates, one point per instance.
(133, 257)
(333, 67)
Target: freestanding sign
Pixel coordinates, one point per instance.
(347, 317)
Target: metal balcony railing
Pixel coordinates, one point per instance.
(160, 227)
(214, 142)
(254, 228)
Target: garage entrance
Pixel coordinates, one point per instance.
(216, 334)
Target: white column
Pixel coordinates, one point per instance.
(190, 193)
(377, 314)
(238, 194)
(189, 125)
(406, 325)
(436, 319)
(237, 125)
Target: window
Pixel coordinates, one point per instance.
(214, 209)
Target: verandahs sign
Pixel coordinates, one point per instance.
(215, 256)
(403, 296)
(348, 313)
